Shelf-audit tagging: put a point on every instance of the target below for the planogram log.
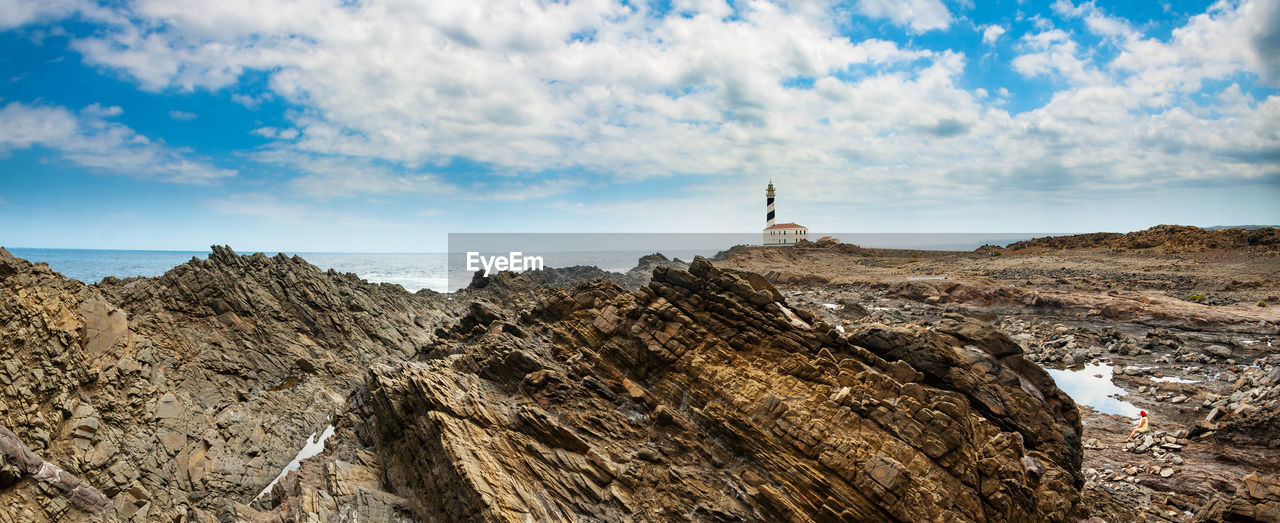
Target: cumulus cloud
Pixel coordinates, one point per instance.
(991, 33)
(183, 116)
(1054, 53)
(14, 13)
(1096, 20)
(89, 140)
(385, 90)
(1216, 44)
(1266, 40)
(919, 15)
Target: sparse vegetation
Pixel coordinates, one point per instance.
(1262, 303)
(1198, 298)
(913, 260)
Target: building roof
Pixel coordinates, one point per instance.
(786, 226)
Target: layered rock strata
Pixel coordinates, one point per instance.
(702, 395)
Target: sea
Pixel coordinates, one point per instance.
(413, 271)
(443, 272)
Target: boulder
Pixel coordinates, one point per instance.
(1218, 351)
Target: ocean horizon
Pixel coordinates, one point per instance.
(433, 270)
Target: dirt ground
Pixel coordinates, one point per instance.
(1192, 338)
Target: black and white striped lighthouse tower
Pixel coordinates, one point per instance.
(768, 200)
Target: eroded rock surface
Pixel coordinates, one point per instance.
(182, 395)
(702, 395)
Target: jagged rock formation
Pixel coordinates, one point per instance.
(1165, 238)
(704, 396)
(562, 277)
(701, 395)
(183, 394)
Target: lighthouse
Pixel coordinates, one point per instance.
(780, 233)
(768, 203)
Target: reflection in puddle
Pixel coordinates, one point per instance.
(1092, 386)
(1174, 379)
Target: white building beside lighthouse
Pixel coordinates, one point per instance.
(780, 233)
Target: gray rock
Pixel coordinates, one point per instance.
(1218, 351)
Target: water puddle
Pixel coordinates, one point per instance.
(924, 278)
(1092, 386)
(840, 328)
(1174, 379)
(831, 306)
(314, 445)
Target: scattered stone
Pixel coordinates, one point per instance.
(1218, 351)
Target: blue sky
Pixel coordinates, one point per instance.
(383, 125)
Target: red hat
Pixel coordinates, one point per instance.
(1143, 413)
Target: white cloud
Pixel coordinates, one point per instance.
(919, 15)
(272, 132)
(17, 13)
(183, 116)
(387, 90)
(91, 141)
(14, 13)
(714, 8)
(991, 33)
(98, 111)
(1095, 20)
(1053, 52)
(250, 101)
(1224, 40)
(1265, 35)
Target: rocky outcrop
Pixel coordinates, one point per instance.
(702, 394)
(563, 277)
(705, 396)
(182, 395)
(1165, 238)
(1257, 499)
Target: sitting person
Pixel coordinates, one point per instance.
(1143, 426)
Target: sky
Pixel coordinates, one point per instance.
(383, 125)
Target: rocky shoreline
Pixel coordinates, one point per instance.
(809, 383)
(1207, 370)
